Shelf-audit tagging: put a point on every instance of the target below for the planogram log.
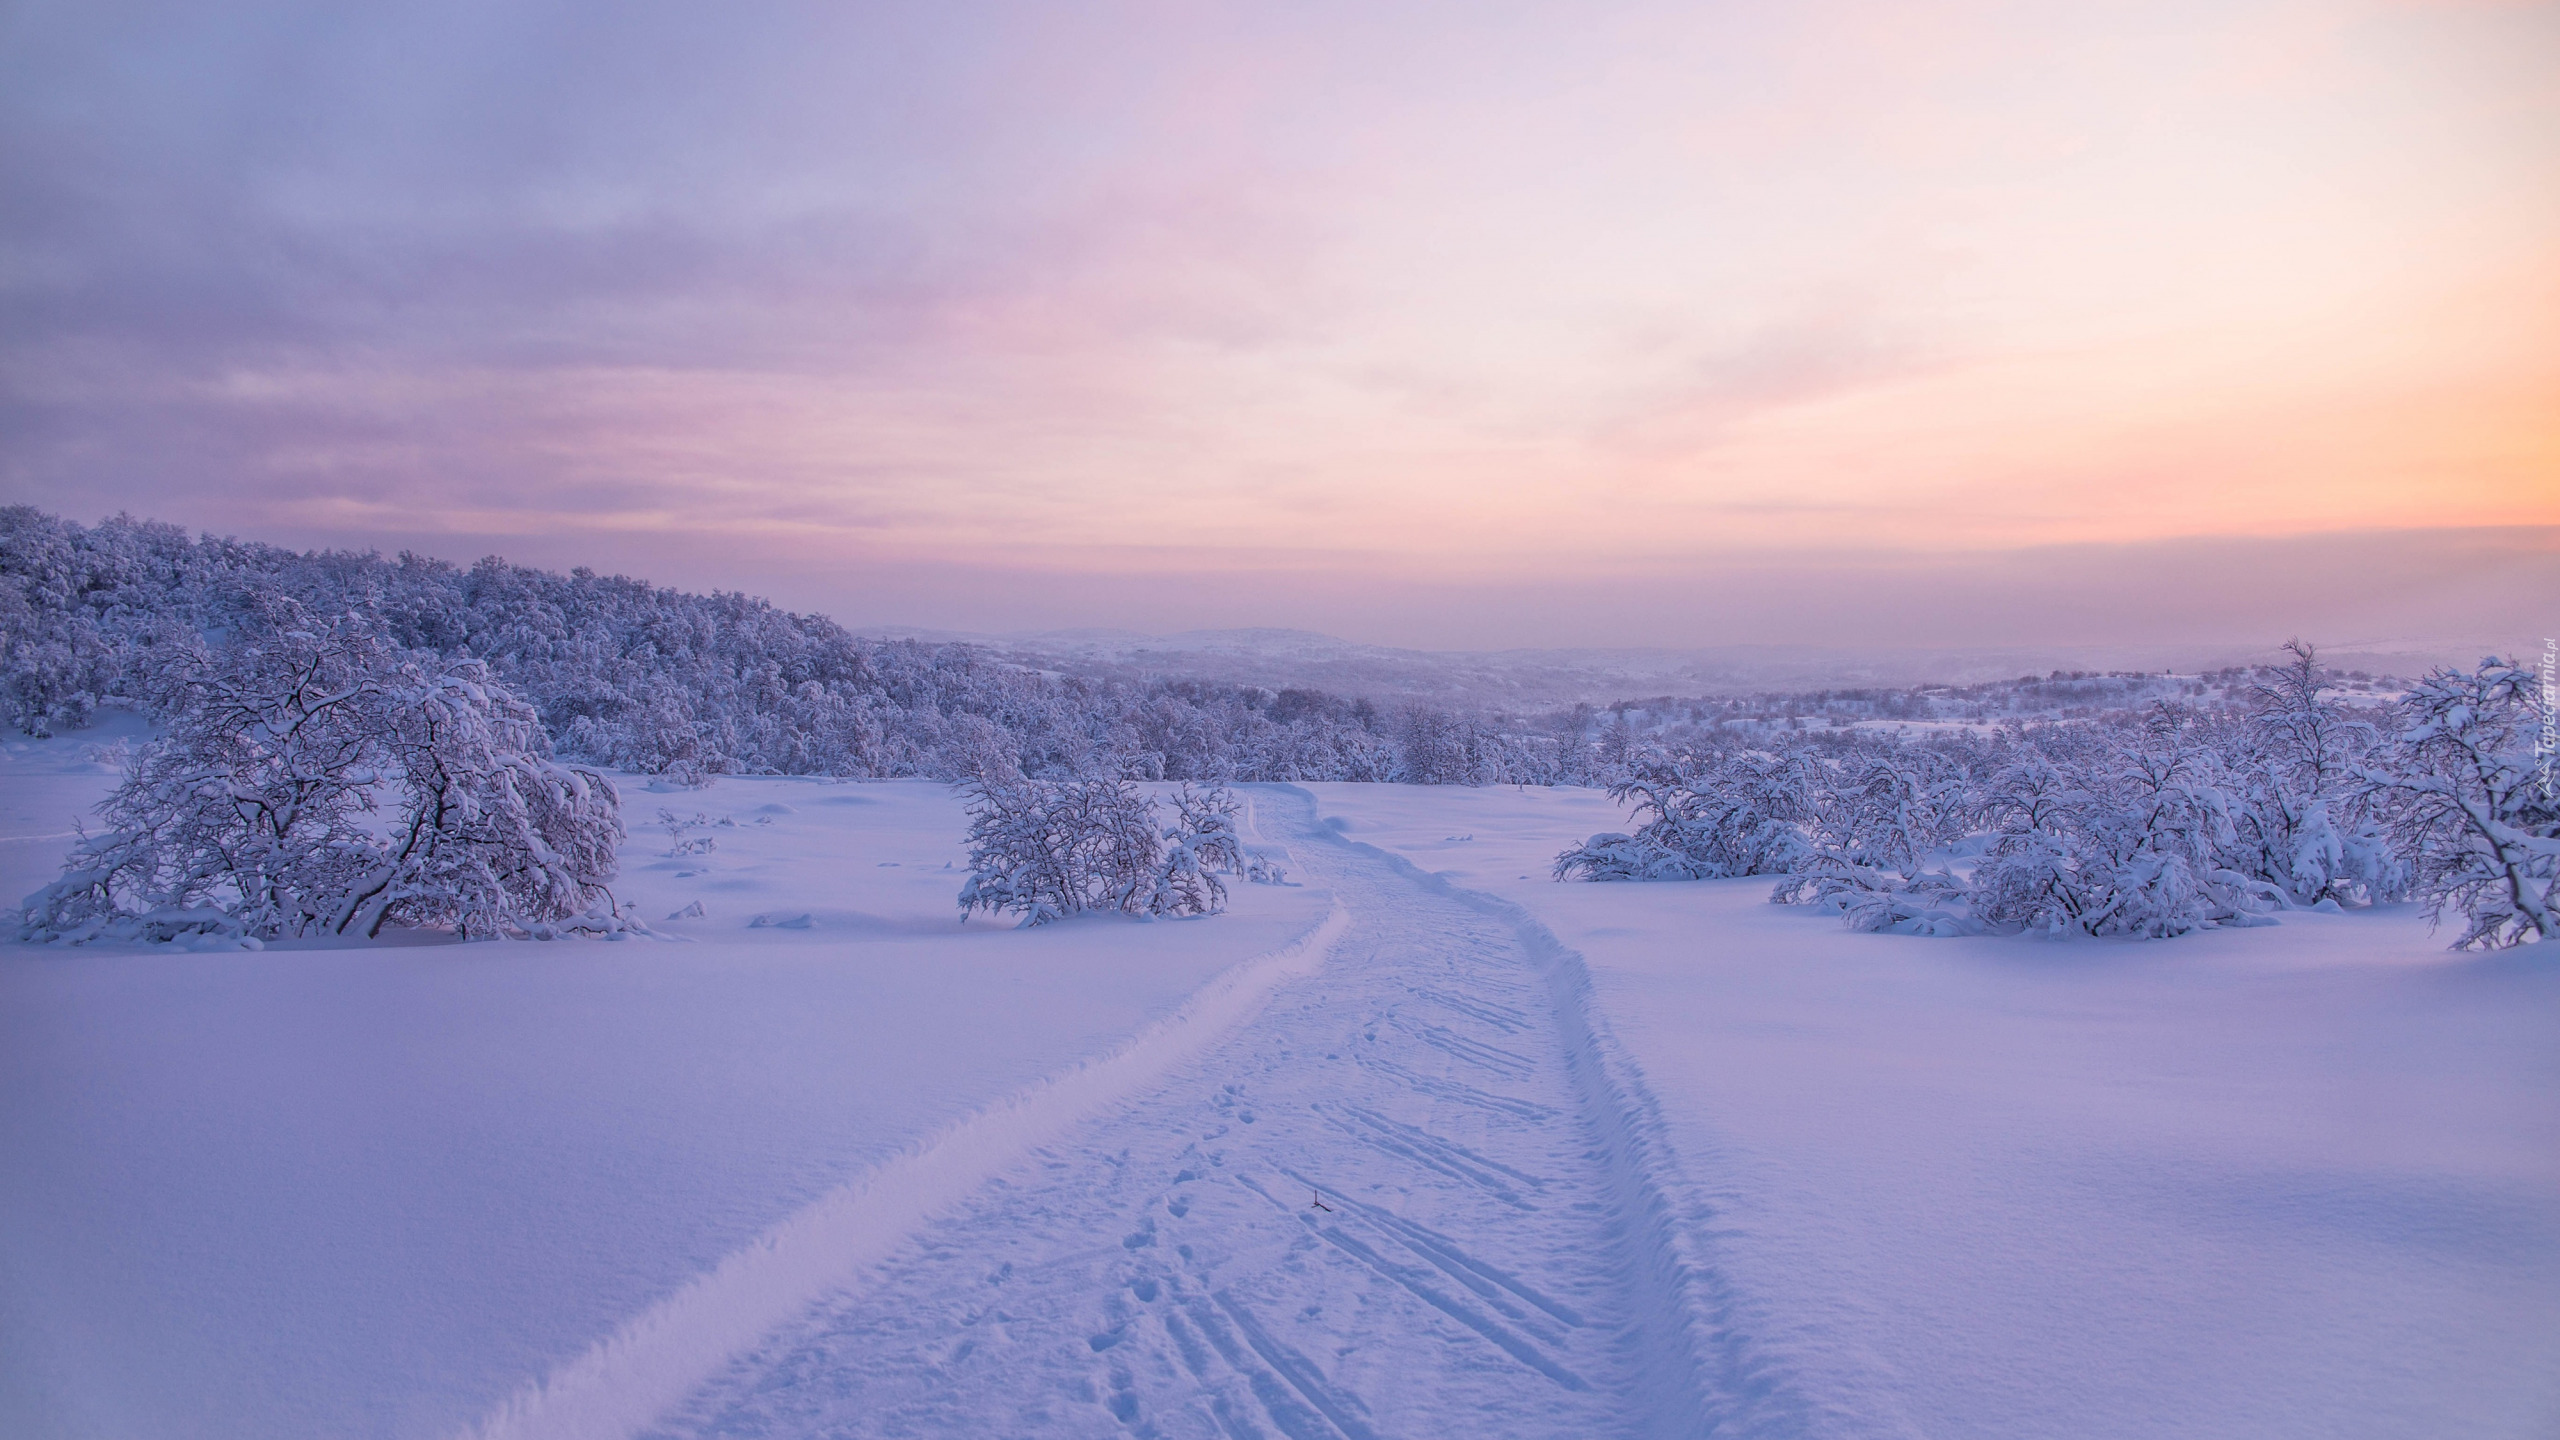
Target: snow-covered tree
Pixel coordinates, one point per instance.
(2460, 793)
(1201, 845)
(2300, 815)
(1431, 747)
(261, 813)
(495, 837)
(1048, 849)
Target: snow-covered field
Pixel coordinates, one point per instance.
(1491, 1156)
(374, 1191)
(2295, 1181)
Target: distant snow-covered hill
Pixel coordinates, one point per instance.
(1527, 679)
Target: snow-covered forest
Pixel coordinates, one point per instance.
(2103, 804)
(638, 677)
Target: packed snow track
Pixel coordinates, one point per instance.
(1412, 1196)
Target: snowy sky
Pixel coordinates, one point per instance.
(1449, 324)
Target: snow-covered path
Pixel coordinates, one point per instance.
(1491, 1256)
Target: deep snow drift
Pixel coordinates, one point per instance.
(1592, 1159)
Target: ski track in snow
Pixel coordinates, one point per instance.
(654, 1359)
(1504, 1249)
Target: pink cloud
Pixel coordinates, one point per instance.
(1479, 299)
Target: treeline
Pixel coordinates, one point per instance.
(1676, 722)
(632, 676)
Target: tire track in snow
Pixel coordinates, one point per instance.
(623, 1383)
(1711, 1378)
(1506, 1063)
(1155, 1273)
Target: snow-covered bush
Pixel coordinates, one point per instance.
(1048, 849)
(681, 841)
(262, 813)
(1929, 903)
(1888, 809)
(2135, 846)
(2460, 793)
(1875, 819)
(1200, 844)
(1205, 823)
(2072, 830)
(1701, 818)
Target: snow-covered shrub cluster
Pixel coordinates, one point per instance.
(2150, 824)
(1704, 818)
(631, 676)
(2462, 795)
(2141, 841)
(1048, 849)
(318, 781)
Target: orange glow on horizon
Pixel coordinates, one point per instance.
(1352, 293)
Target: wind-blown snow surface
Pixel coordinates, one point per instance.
(374, 1191)
(2300, 1181)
